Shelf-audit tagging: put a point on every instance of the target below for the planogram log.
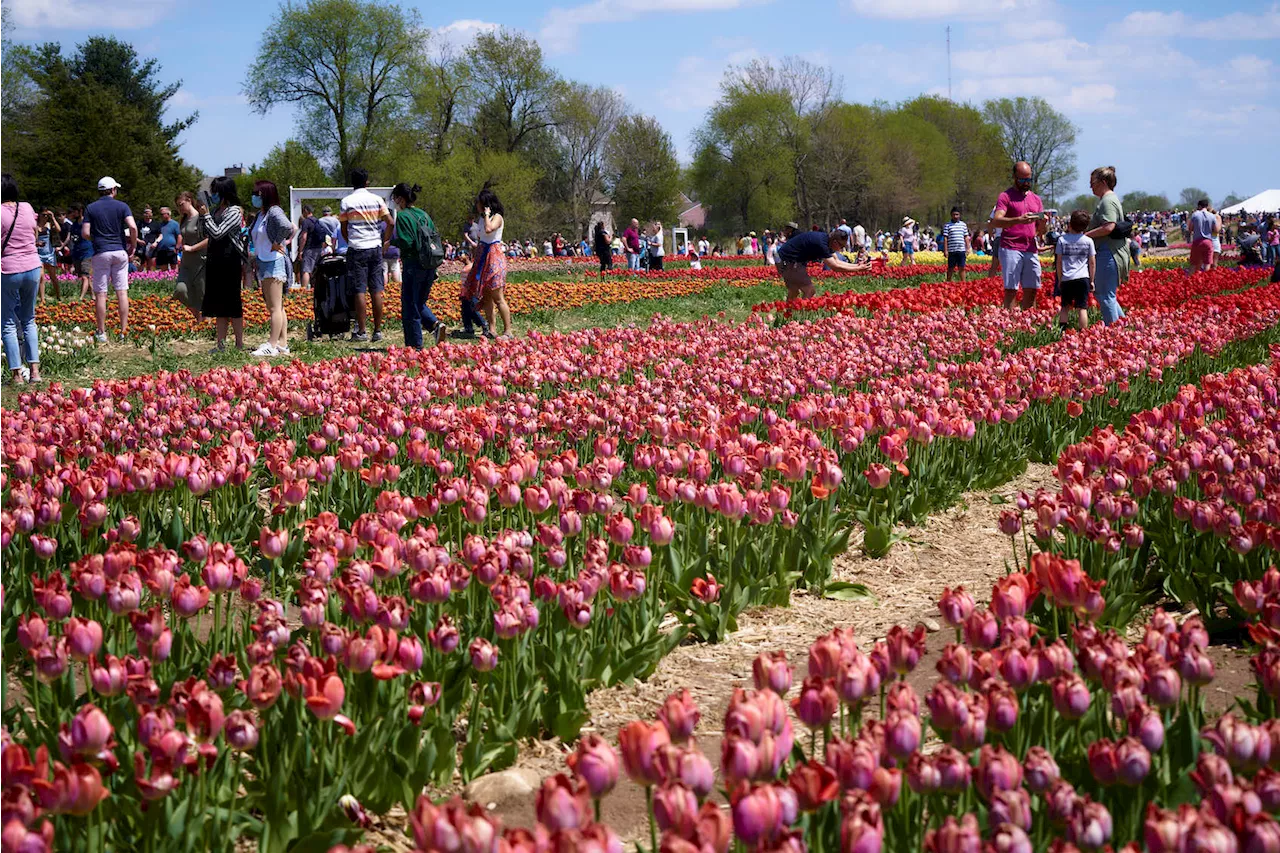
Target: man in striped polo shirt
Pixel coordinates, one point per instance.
(362, 215)
(956, 235)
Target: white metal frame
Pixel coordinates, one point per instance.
(676, 234)
(299, 194)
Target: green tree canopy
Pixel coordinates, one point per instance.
(981, 169)
(343, 63)
(515, 89)
(1034, 131)
(642, 172)
(1136, 200)
(1190, 196)
(103, 106)
(1232, 198)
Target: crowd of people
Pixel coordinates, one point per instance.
(217, 248)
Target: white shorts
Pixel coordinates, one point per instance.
(111, 268)
(391, 269)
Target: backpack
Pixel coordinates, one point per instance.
(424, 241)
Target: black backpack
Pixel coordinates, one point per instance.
(427, 244)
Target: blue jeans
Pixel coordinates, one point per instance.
(1106, 281)
(633, 260)
(18, 305)
(414, 290)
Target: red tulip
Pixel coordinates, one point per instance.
(640, 744)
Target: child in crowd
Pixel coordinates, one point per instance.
(1075, 259)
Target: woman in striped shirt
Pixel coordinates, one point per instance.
(224, 261)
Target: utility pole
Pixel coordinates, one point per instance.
(948, 62)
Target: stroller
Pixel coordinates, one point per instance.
(334, 305)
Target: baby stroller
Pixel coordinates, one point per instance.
(334, 305)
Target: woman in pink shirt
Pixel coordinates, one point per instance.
(20, 274)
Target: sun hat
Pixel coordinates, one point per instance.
(794, 226)
(108, 183)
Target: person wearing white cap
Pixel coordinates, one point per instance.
(908, 235)
(109, 223)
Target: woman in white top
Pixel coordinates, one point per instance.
(655, 246)
(488, 279)
(271, 233)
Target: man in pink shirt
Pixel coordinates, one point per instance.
(631, 240)
(1020, 212)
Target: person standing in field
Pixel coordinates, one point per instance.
(488, 272)
(1113, 250)
(631, 237)
(20, 274)
(1076, 260)
(1204, 228)
(955, 236)
(1020, 213)
(907, 236)
(362, 214)
(271, 234)
(328, 231)
(600, 245)
(412, 223)
(189, 287)
(108, 222)
(656, 250)
(48, 253)
(310, 245)
(224, 262)
(81, 250)
(167, 234)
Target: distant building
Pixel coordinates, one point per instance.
(692, 214)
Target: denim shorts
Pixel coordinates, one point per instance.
(279, 268)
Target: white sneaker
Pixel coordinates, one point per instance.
(100, 337)
(282, 350)
(265, 350)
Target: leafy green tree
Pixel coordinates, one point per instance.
(846, 150)
(1034, 131)
(1087, 202)
(981, 168)
(1190, 197)
(515, 88)
(17, 89)
(103, 107)
(742, 170)
(440, 101)
(642, 173)
(918, 178)
(1232, 198)
(1136, 200)
(343, 63)
(585, 118)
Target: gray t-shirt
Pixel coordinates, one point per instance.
(1202, 222)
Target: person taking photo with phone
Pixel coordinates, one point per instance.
(1020, 213)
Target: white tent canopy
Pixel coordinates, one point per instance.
(1267, 201)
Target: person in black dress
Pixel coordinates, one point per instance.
(600, 245)
(224, 263)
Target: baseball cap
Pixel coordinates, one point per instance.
(793, 226)
(108, 183)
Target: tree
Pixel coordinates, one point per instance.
(585, 119)
(798, 96)
(1232, 198)
(919, 168)
(1034, 131)
(290, 165)
(1190, 196)
(516, 90)
(343, 63)
(17, 89)
(643, 175)
(742, 170)
(440, 98)
(1136, 200)
(1086, 202)
(105, 120)
(981, 165)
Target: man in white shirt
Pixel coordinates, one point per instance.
(362, 214)
(860, 237)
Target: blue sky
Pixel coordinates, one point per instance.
(1171, 93)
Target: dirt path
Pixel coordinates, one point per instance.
(961, 546)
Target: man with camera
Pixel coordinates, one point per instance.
(1020, 212)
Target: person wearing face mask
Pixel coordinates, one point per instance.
(1020, 212)
(224, 265)
(412, 228)
(271, 233)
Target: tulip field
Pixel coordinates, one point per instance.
(251, 607)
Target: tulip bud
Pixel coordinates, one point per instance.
(680, 715)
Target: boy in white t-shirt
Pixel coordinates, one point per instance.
(1075, 259)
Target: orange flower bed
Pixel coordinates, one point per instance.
(171, 319)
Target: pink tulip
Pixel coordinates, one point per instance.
(771, 670)
(241, 731)
(562, 803)
(816, 703)
(597, 764)
(680, 714)
(484, 655)
(640, 744)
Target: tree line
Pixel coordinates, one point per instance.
(370, 86)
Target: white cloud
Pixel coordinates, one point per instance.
(85, 14)
(185, 99)
(1066, 56)
(1236, 26)
(1091, 98)
(695, 82)
(1250, 67)
(916, 9)
(459, 34)
(561, 26)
